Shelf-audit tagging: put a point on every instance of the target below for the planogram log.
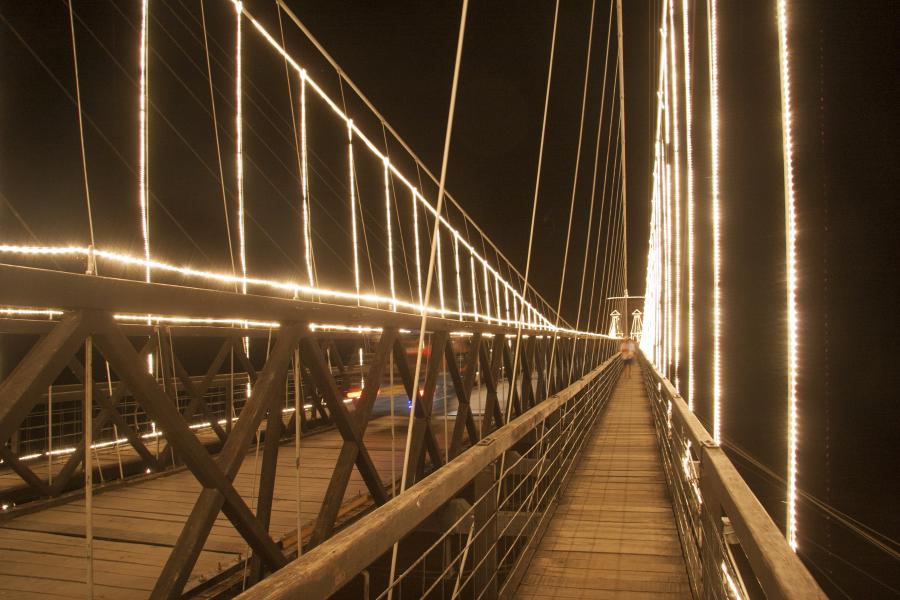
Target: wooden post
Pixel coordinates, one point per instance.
(485, 548)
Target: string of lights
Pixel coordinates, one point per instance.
(289, 288)
(791, 256)
(688, 124)
(716, 221)
(369, 144)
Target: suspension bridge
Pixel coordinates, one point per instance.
(383, 405)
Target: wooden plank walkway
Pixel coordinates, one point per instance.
(135, 526)
(613, 533)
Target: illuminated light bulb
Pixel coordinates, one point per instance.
(362, 379)
(688, 122)
(716, 220)
(387, 213)
(791, 255)
(307, 243)
(352, 179)
(732, 586)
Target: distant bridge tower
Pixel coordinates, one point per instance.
(614, 324)
(637, 325)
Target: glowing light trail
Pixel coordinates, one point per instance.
(239, 128)
(142, 152)
(791, 252)
(360, 135)
(677, 181)
(305, 179)
(352, 184)
(390, 240)
(716, 220)
(285, 287)
(688, 123)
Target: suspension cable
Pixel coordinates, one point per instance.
(562, 277)
(91, 267)
(587, 243)
(440, 200)
(215, 123)
(534, 205)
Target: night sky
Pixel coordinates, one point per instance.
(845, 65)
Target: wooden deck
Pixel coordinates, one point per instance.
(136, 525)
(613, 533)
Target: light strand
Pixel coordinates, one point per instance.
(716, 222)
(791, 256)
(418, 258)
(677, 182)
(351, 167)
(142, 152)
(390, 237)
(286, 287)
(360, 135)
(688, 123)
(304, 171)
(239, 129)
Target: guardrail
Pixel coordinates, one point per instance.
(731, 546)
(467, 530)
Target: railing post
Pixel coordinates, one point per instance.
(711, 526)
(485, 557)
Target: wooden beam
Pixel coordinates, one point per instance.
(29, 380)
(463, 387)
(340, 477)
(216, 476)
(490, 369)
(422, 433)
(341, 417)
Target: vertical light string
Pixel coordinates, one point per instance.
(677, 199)
(716, 221)
(304, 173)
(474, 287)
(506, 301)
(790, 222)
(239, 157)
(487, 292)
(688, 123)
(440, 265)
(459, 298)
(351, 167)
(143, 151)
(418, 259)
(390, 237)
(497, 295)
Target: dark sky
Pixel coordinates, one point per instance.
(401, 55)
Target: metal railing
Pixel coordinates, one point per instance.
(731, 546)
(466, 531)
